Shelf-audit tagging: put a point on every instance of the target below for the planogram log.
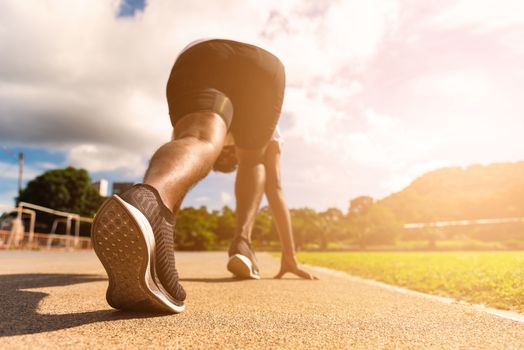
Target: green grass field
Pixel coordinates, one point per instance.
(494, 279)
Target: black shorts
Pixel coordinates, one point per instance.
(242, 83)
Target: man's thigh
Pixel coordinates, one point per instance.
(257, 107)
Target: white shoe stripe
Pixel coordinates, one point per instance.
(147, 232)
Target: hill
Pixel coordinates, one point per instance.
(474, 192)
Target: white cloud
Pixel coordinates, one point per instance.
(10, 171)
(356, 28)
(409, 172)
(460, 84)
(47, 165)
(202, 199)
(485, 15)
(97, 87)
(319, 43)
(373, 86)
(106, 158)
(513, 41)
(225, 197)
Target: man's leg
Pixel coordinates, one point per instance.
(179, 164)
(249, 187)
(133, 233)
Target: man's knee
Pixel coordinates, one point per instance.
(250, 157)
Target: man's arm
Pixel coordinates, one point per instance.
(279, 209)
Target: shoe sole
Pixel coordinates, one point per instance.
(240, 266)
(124, 242)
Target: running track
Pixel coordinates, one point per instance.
(56, 300)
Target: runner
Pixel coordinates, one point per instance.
(216, 88)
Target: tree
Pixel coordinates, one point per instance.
(68, 190)
(226, 222)
(376, 225)
(308, 227)
(360, 205)
(262, 225)
(334, 220)
(195, 229)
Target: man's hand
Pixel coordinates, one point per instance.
(289, 264)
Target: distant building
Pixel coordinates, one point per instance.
(102, 186)
(119, 187)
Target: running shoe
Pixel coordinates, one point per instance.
(242, 261)
(132, 235)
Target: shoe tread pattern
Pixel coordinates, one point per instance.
(120, 245)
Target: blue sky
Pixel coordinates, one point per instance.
(378, 92)
(35, 160)
(128, 8)
(38, 161)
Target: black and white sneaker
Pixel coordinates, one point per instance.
(242, 261)
(132, 235)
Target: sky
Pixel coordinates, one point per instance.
(378, 92)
